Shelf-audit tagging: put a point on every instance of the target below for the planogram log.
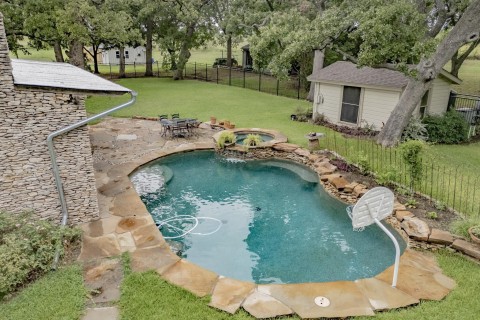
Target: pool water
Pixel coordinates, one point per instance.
(265, 221)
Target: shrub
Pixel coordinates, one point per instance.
(449, 128)
(27, 248)
(252, 140)
(411, 153)
(387, 177)
(362, 162)
(225, 137)
(432, 215)
(415, 130)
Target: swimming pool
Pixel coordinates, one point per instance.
(265, 221)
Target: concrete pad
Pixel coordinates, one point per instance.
(127, 137)
(132, 223)
(106, 313)
(191, 277)
(421, 260)
(229, 294)
(382, 296)
(128, 204)
(100, 227)
(147, 236)
(440, 237)
(346, 298)
(122, 170)
(262, 306)
(158, 258)
(103, 278)
(419, 283)
(99, 247)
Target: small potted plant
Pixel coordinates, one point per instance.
(252, 140)
(226, 139)
(474, 233)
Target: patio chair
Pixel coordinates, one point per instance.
(180, 128)
(175, 115)
(163, 119)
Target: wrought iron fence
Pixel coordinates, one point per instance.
(444, 186)
(238, 77)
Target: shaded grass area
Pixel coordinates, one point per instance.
(58, 295)
(147, 296)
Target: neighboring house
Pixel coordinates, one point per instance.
(348, 95)
(132, 55)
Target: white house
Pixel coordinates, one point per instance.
(132, 55)
(348, 95)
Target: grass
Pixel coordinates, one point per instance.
(470, 75)
(58, 295)
(146, 296)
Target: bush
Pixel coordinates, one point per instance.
(411, 153)
(449, 128)
(27, 248)
(415, 130)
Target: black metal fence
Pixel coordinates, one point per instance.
(238, 77)
(466, 105)
(446, 186)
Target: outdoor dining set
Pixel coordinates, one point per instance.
(178, 127)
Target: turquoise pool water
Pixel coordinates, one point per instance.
(265, 221)
(240, 137)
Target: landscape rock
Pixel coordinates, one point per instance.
(402, 214)
(416, 228)
(440, 237)
(468, 248)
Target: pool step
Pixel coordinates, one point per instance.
(303, 172)
(167, 174)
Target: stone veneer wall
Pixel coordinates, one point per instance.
(27, 116)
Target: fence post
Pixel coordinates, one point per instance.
(110, 65)
(260, 81)
(134, 69)
(298, 89)
(244, 77)
(217, 74)
(206, 72)
(195, 71)
(158, 70)
(230, 76)
(278, 83)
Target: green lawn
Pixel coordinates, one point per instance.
(58, 295)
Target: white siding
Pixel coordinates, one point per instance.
(377, 106)
(440, 92)
(327, 101)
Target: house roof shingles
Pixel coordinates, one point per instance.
(61, 75)
(345, 72)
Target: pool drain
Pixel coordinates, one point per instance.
(322, 301)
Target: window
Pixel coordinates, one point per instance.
(424, 104)
(117, 54)
(126, 54)
(350, 104)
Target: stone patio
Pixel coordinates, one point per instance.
(122, 145)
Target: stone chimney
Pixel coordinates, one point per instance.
(6, 77)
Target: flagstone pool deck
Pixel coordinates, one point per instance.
(122, 145)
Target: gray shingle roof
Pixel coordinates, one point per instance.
(60, 75)
(348, 73)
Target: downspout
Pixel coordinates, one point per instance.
(56, 171)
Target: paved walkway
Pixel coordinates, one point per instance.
(120, 146)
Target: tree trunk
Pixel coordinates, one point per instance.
(75, 54)
(184, 54)
(317, 66)
(121, 66)
(458, 60)
(173, 61)
(149, 49)
(229, 50)
(57, 48)
(95, 59)
(466, 30)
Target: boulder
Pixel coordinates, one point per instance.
(402, 214)
(440, 237)
(468, 248)
(416, 228)
(287, 147)
(339, 183)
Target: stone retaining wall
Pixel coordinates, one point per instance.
(27, 116)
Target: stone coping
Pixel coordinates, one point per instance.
(129, 227)
(277, 136)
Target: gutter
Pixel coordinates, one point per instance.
(56, 171)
